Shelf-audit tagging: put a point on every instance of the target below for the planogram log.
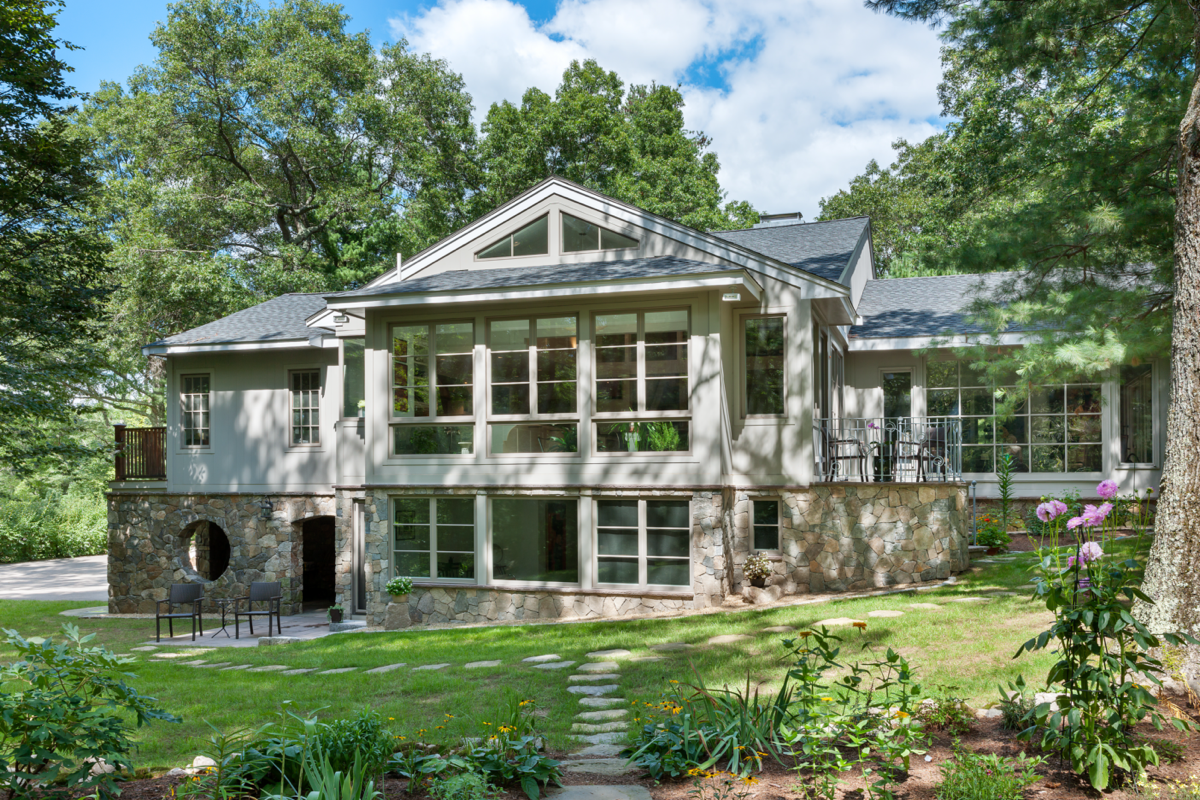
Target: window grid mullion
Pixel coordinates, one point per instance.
(643, 573)
(532, 350)
(641, 364)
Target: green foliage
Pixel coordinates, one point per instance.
(326, 782)
(631, 145)
(51, 255)
(464, 786)
(399, 586)
(945, 711)
(757, 566)
(969, 776)
(1015, 707)
(66, 706)
(1004, 485)
(989, 532)
(52, 526)
(1104, 655)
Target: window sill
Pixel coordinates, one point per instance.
(682, 594)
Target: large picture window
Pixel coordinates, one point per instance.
(764, 342)
(194, 410)
(1137, 414)
(642, 370)
(434, 538)
(433, 379)
(1057, 429)
(643, 542)
(306, 406)
(535, 540)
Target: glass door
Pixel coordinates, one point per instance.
(891, 450)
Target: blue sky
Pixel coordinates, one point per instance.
(797, 95)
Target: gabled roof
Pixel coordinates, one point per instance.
(281, 319)
(820, 248)
(513, 277)
(931, 306)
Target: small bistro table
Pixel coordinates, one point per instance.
(224, 604)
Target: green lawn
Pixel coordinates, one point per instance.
(967, 645)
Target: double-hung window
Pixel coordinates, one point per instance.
(533, 393)
(433, 371)
(434, 537)
(306, 406)
(194, 410)
(642, 387)
(643, 542)
(1137, 414)
(765, 514)
(764, 343)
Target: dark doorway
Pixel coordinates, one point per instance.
(319, 550)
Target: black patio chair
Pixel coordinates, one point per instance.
(189, 595)
(269, 594)
(838, 446)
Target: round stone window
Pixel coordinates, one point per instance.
(204, 550)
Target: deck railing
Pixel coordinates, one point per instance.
(141, 453)
(883, 449)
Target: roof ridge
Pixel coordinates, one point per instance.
(952, 275)
(793, 224)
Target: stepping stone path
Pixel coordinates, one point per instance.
(728, 638)
(603, 722)
(417, 669)
(555, 665)
(388, 668)
(609, 654)
(299, 671)
(540, 659)
(647, 658)
(340, 671)
(268, 668)
(603, 676)
(885, 613)
(600, 793)
(597, 666)
(479, 664)
(214, 665)
(236, 666)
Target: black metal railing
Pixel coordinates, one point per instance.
(141, 453)
(883, 449)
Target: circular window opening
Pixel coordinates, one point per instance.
(205, 549)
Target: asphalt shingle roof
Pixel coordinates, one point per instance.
(278, 319)
(896, 307)
(820, 248)
(511, 277)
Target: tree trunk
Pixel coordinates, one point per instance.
(1173, 571)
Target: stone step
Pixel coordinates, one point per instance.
(603, 702)
(598, 766)
(430, 667)
(598, 666)
(337, 671)
(603, 676)
(670, 646)
(600, 793)
(540, 659)
(603, 727)
(599, 751)
(556, 665)
(594, 691)
(268, 668)
(609, 653)
(600, 716)
(601, 738)
(389, 668)
(299, 671)
(481, 664)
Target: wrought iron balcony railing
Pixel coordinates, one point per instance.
(883, 449)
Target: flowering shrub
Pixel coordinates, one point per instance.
(990, 532)
(757, 567)
(399, 586)
(1103, 651)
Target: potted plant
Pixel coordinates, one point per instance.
(399, 589)
(362, 407)
(335, 612)
(757, 569)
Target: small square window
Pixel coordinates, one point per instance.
(765, 518)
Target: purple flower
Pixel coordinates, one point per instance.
(1070, 562)
(1107, 489)
(872, 425)
(1089, 552)
(1093, 517)
(1075, 522)
(1051, 509)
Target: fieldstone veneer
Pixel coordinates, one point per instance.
(852, 536)
(149, 536)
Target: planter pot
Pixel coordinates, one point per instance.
(992, 551)
(758, 583)
(399, 598)
(335, 615)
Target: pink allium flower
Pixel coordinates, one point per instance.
(1070, 561)
(1075, 522)
(1089, 552)
(1093, 516)
(1051, 509)
(1107, 489)
(872, 425)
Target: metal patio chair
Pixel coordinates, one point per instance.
(269, 594)
(183, 595)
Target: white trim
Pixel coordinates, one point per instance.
(185, 349)
(572, 290)
(860, 344)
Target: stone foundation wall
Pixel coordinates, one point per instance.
(149, 536)
(848, 537)
(433, 605)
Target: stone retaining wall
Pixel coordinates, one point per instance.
(852, 536)
(149, 536)
(433, 605)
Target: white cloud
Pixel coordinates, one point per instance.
(812, 89)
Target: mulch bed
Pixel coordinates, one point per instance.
(776, 782)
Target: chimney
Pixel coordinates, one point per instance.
(773, 220)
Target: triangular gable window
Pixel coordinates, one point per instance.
(532, 240)
(580, 236)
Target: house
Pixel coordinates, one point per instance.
(572, 407)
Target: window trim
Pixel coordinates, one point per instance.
(433, 420)
(183, 445)
(778, 525)
(744, 365)
(473, 580)
(292, 443)
(519, 227)
(643, 555)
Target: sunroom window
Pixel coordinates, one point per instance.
(533, 376)
(433, 380)
(643, 542)
(642, 371)
(581, 236)
(531, 240)
(1056, 430)
(535, 540)
(434, 538)
(764, 366)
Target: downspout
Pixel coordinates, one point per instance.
(974, 527)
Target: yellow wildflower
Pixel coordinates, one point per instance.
(862, 626)
(827, 699)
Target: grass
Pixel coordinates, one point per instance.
(966, 645)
